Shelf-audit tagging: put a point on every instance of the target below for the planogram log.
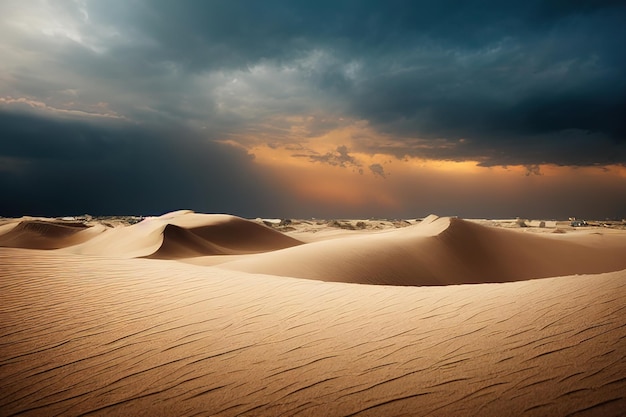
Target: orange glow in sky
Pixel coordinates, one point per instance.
(410, 183)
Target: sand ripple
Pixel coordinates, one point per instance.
(84, 335)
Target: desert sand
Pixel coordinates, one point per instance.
(197, 314)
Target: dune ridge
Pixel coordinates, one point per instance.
(84, 335)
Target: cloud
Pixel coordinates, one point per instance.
(340, 157)
(533, 170)
(57, 167)
(377, 169)
(498, 75)
(100, 110)
(565, 148)
(500, 83)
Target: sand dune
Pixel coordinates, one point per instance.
(96, 336)
(38, 234)
(87, 330)
(235, 236)
(185, 234)
(441, 252)
(437, 251)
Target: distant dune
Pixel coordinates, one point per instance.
(195, 314)
(37, 234)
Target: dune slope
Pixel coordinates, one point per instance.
(235, 236)
(84, 335)
(441, 252)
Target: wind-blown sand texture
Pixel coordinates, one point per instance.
(112, 323)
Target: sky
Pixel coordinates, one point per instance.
(343, 108)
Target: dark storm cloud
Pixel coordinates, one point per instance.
(502, 83)
(505, 106)
(74, 167)
(509, 78)
(553, 81)
(226, 33)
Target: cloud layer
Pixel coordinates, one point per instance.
(127, 84)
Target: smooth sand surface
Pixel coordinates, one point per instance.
(98, 328)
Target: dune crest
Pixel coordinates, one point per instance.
(185, 234)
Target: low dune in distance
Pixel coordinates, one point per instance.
(38, 234)
(196, 314)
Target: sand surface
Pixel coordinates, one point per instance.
(191, 314)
